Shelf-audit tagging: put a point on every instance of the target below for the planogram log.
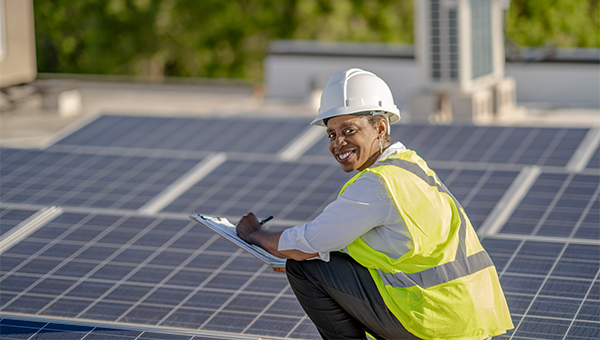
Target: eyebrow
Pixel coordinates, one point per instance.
(346, 124)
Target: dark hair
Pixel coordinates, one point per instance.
(374, 120)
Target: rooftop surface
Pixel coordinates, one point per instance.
(96, 241)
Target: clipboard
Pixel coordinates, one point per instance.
(226, 229)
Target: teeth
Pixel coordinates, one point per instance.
(344, 155)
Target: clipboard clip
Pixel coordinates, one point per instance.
(209, 218)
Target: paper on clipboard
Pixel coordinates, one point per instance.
(226, 229)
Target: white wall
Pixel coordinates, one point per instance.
(290, 77)
(559, 83)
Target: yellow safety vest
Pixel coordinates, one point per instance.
(446, 287)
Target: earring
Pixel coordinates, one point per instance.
(380, 146)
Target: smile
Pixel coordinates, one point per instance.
(345, 156)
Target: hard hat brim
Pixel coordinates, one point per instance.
(393, 113)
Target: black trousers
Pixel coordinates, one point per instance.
(342, 300)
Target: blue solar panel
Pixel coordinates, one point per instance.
(15, 328)
(10, 218)
(300, 191)
(478, 191)
(560, 205)
(488, 144)
(551, 288)
(594, 162)
(147, 271)
(208, 134)
(160, 270)
(86, 180)
(293, 191)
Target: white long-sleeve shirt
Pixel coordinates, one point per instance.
(364, 209)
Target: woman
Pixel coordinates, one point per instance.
(395, 255)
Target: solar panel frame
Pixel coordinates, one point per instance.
(10, 218)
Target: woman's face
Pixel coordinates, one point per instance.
(353, 142)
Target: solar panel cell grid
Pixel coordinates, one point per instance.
(151, 282)
(174, 273)
(25, 329)
(296, 192)
(217, 134)
(86, 180)
(549, 287)
(560, 205)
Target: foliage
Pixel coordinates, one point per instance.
(208, 38)
(229, 39)
(561, 23)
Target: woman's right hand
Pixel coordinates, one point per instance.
(248, 224)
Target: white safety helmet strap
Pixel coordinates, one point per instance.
(355, 91)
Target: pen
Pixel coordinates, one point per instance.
(266, 219)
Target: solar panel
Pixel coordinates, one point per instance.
(594, 162)
(232, 134)
(12, 328)
(85, 180)
(293, 191)
(488, 144)
(559, 205)
(10, 218)
(146, 270)
(552, 289)
(102, 262)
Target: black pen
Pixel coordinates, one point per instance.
(266, 219)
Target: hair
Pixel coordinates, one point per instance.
(374, 120)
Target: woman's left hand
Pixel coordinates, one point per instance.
(246, 226)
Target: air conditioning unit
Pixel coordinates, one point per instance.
(17, 43)
(460, 54)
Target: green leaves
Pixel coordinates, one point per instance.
(228, 39)
(560, 23)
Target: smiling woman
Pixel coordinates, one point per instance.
(353, 141)
(395, 255)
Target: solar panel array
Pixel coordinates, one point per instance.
(121, 252)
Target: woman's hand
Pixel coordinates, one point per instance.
(246, 226)
(250, 230)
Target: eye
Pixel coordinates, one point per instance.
(349, 131)
(331, 135)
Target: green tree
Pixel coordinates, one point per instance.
(561, 23)
(208, 38)
(229, 39)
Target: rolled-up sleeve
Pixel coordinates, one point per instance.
(364, 205)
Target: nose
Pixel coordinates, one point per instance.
(339, 141)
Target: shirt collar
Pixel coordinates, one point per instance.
(392, 150)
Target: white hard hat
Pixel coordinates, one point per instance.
(355, 91)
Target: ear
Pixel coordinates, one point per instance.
(382, 127)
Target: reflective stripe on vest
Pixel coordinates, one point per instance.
(460, 267)
(439, 274)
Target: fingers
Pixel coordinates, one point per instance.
(250, 217)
